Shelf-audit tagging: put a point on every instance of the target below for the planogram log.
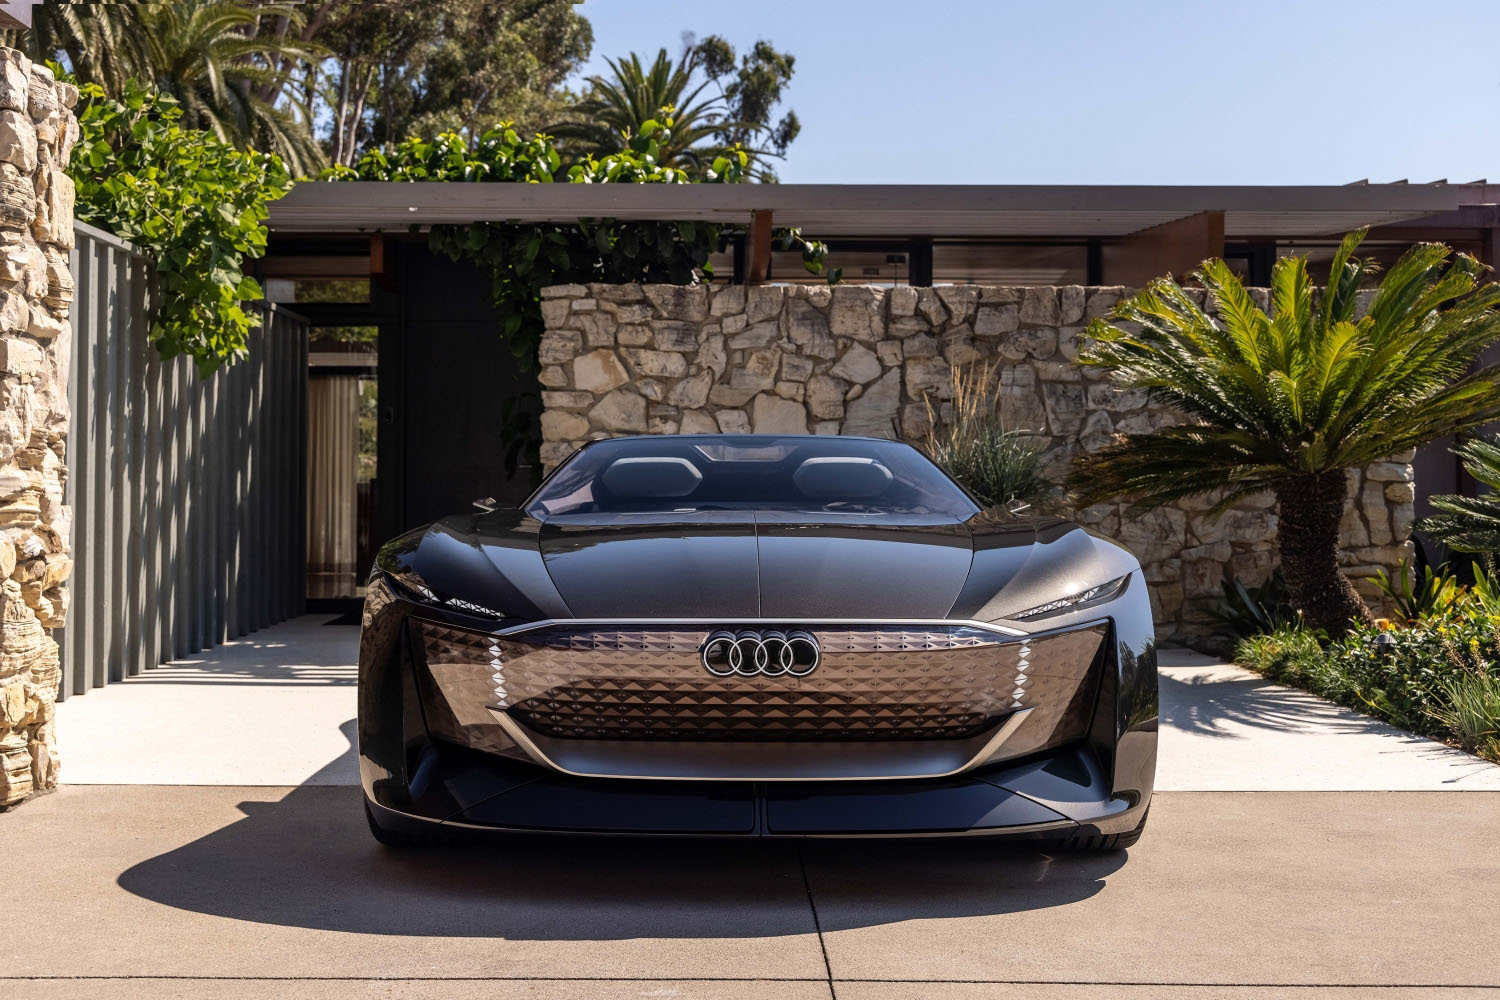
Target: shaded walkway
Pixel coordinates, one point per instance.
(274, 708)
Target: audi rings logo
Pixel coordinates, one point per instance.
(769, 654)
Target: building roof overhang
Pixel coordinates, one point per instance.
(896, 210)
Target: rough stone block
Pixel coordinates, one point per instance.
(1065, 407)
(759, 335)
(859, 365)
(774, 415)
(874, 413)
(666, 364)
(930, 307)
(919, 346)
(727, 300)
(1070, 304)
(559, 347)
(21, 356)
(857, 311)
(691, 392)
(795, 369)
(15, 81)
(901, 301)
(733, 422)
(1039, 306)
(698, 422)
(675, 336)
(995, 320)
(684, 302)
(598, 371)
(825, 397)
(621, 410)
(559, 425)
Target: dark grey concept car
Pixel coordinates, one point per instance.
(772, 636)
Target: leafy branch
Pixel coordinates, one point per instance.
(192, 201)
(524, 258)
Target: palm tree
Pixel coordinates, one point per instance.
(1286, 404)
(1470, 524)
(617, 108)
(207, 54)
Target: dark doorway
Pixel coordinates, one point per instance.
(417, 405)
(449, 390)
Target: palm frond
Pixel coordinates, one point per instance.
(1309, 388)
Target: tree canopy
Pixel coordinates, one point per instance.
(322, 82)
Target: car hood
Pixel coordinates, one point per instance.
(737, 564)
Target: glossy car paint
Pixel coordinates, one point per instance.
(732, 565)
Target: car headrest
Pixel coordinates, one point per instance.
(841, 478)
(651, 478)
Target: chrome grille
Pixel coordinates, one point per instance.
(648, 683)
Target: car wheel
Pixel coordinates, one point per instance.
(400, 839)
(1101, 842)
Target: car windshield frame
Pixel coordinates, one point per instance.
(764, 466)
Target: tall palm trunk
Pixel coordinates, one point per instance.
(1311, 508)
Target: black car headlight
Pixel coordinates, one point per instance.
(415, 589)
(1098, 594)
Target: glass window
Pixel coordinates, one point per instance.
(685, 474)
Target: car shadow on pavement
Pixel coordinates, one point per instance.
(306, 859)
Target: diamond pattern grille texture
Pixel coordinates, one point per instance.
(874, 682)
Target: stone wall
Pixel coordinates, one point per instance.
(664, 359)
(37, 133)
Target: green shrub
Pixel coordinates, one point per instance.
(1404, 682)
(1289, 655)
(1472, 711)
(192, 201)
(1424, 591)
(1440, 676)
(997, 464)
(1252, 611)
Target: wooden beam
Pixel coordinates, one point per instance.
(1175, 248)
(759, 247)
(315, 266)
(15, 14)
(382, 262)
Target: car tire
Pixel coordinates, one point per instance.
(400, 839)
(1100, 842)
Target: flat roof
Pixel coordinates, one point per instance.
(894, 210)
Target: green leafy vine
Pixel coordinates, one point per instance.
(523, 258)
(192, 201)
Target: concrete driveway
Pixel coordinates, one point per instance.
(1294, 850)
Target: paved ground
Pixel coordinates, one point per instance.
(1271, 868)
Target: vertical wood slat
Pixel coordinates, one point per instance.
(99, 598)
(188, 494)
(150, 500)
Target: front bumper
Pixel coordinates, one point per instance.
(1059, 795)
(415, 771)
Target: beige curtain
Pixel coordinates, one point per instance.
(332, 504)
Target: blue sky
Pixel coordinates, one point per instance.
(1095, 92)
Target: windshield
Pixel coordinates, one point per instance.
(686, 474)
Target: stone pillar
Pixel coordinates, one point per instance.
(37, 133)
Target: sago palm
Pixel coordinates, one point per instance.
(1287, 402)
(1470, 524)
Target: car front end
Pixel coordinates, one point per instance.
(929, 677)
